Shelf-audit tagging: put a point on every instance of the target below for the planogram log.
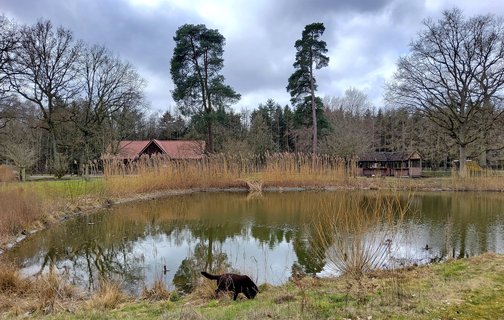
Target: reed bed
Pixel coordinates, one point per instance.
(256, 172)
(156, 173)
(493, 181)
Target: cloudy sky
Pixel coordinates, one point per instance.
(364, 37)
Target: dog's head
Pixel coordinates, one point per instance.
(253, 291)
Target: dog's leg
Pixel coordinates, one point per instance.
(235, 295)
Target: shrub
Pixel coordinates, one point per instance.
(8, 174)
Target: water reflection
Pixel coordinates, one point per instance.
(265, 237)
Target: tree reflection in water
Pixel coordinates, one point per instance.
(91, 261)
(260, 236)
(187, 275)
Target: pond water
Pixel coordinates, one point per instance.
(173, 238)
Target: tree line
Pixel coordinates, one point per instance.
(63, 102)
(453, 76)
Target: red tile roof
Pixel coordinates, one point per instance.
(175, 149)
(179, 149)
(128, 149)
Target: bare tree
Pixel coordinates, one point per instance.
(7, 113)
(109, 87)
(454, 75)
(18, 142)
(44, 69)
(350, 134)
(8, 44)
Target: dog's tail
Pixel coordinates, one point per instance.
(209, 276)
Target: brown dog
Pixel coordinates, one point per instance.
(235, 283)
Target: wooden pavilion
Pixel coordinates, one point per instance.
(390, 164)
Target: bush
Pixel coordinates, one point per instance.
(8, 174)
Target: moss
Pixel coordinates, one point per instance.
(455, 269)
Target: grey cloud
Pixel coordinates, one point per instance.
(144, 39)
(260, 49)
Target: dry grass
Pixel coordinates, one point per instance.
(206, 291)
(108, 296)
(157, 292)
(11, 281)
(20, 207)
(33, 205)
(44, 294)
(52, 291)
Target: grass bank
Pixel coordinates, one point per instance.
(459, 289)
(30, 206)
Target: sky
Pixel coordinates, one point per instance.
(364, 38)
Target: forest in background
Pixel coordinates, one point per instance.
(63, 102)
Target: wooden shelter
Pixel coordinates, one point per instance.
(393, 164)
(130, 150)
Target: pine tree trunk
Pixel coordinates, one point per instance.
(314, 113)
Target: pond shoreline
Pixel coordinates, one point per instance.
(64, 215)
(326, 296)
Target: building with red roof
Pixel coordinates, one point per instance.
(129, 150)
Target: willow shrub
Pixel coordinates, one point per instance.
(358, 235)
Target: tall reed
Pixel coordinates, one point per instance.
(155, 173)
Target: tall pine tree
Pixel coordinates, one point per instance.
(310, 55)
(195, 70)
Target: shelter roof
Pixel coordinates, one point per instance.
(175, 149)
(389, 156)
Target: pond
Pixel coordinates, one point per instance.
(264, 236)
